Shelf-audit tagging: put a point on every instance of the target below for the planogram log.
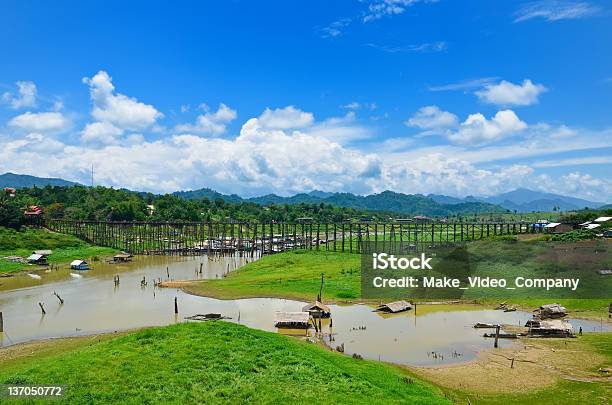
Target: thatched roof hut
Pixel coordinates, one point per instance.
(552, 328)
(317, 310)
(552, 311)
(296, 320)
(394, 307)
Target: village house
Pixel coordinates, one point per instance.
(557, 227)
(79, 265)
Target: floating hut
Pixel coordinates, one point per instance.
(551, 311)
(394, 307)
(294, 320)
(122, 257)
(317, 310)
(79, 265)
(552, 328)
(36, 258)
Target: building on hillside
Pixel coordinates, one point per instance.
(33, 211)
(602, 219)
(10, 191)
(557, 227)
(35, 258)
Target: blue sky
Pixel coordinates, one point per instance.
(460, 98)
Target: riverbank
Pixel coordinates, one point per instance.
(213, 362)
(65, 248)
(297, 275)
(544, 371)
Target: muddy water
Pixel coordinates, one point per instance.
(435, 335)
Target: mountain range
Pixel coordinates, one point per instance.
(520, 200)
(25, 181)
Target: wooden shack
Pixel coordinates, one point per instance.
(551, 328)
(317, 310)
(293, 320)
(551, 311)
(394, 307)
(36, 258)
(122, 257)
(79, 265)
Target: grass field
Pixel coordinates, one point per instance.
(215, 362)
(297, 275)
(65, 247)
(294, 275)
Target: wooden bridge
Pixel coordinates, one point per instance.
(265, 238)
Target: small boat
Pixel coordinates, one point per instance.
(481, 325)
(35, 276)
(74, 275)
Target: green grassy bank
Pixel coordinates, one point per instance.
(65, 247)
(294, 275)
(216, 362)
(297, 275)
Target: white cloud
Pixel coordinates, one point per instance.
(465, 84)
(117, 109)
(507, 93)
(40, 122)
(285, 118)
(432, 118)
(210, 122)
(101, 132)
(382, 8)
(26, 96)
(336, 28)
(427, 47)
(477, 129)
(555, 10)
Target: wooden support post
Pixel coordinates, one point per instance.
(175, 305)
(512, 363)
(42, 308)
(496, 335)
(1, 323)
(58, 297)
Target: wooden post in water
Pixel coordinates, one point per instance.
(58, 297)
(42, 308)
(496, 335)
(1, 323)
(175, 305)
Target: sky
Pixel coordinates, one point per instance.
(447, 97)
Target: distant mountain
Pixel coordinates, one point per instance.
(207, 193)
(525, 200)
(388, 201)
(24, 181)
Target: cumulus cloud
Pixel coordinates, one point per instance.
(26, 96)
(211, 122)
(40, 122)
(101, 132)
(477, 129)
(432, 118)
(117, 109)
(507, 93)
(285, 118)
(555, 10)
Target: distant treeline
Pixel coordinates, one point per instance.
(102, 203)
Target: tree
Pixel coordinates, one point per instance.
(11, 215)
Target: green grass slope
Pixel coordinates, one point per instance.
(217, 362)
(65, 247)
(294, 275)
